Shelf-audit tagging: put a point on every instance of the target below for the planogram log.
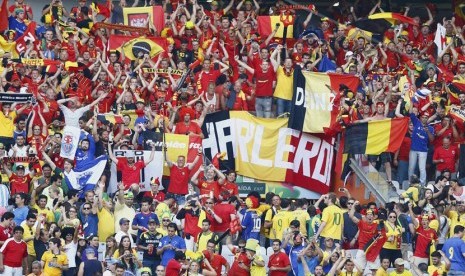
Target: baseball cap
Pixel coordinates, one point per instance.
(129, 194)
(90, 251)
(20, 167)
(123, 221)
(349, 54)
(399, 261)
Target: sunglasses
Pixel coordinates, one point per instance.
(208, 202)
(392, 217)
(166, 220)
(350, 203)
(85, 209)
(241, 247)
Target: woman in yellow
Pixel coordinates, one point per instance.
(54, 261)
(391, 248)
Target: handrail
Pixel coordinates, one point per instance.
(372, 187)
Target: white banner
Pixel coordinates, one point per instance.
(70, 142)
(153, 169)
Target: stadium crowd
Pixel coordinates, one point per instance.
(188, 225)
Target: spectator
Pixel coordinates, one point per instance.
(331, 220)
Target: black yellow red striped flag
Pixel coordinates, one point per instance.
(375, 137)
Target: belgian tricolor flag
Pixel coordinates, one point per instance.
(375, 137)
(266, 25)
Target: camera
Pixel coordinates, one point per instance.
(278, 24)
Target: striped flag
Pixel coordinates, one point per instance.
(440, 38)
(314, 107)
(266, 25)
(110, 117)
(375, 137)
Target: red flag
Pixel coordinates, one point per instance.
(4, 15)
(102, 9)
(29, 36)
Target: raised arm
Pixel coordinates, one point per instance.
(197, 158)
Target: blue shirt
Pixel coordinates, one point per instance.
(82, 157)
(293, 252)
(311, 263)
(18, 27)
(454, 248)
(251, 224)
(177, 242)
(90, 224)
(143, 220)
(420, 138)
(20, 214)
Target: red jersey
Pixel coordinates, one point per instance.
(130, 174)
(367, 232)
(181, 128)
(207, 187)
(231, 187)
(280, 260)
(404, 149)
(224, 211)
(191, 221)
(217, 262)
(425, 236)
(160, 196)
(239, 257)
(437, 143)
(173, 268)
(179, 180)
(13, 252)
(5, 233)
(19, 184)
(203, 79)
(264, 82)
(449, 156)
(37, 142)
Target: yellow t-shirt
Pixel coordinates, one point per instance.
(256, 270)
(411, 193)
(345, 273)
(284, 84)
(454, 221)
(162, 209)
(45, 212)
(333, 216)
(405, 273)
(116, 255)
(106, 224)
(123, 211)
(29, 232)
(203, 239)
(268, 217)
(303, 217)
(49, 258)
(397, 233)
(381, 272)
(7, 123)
(162, 231)
(281, 222)
(441, 269)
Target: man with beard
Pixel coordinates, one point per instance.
(279, 263)
(130, 169)
(85, 152)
